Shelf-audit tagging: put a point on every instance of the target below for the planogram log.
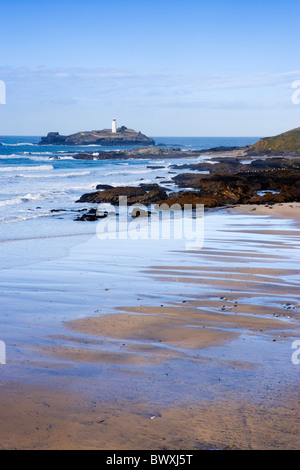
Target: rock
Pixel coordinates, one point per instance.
(92, 215)
(53, 138)
(152, 167)
(238, 188)
(144, 152)
(104, 186)
(226, 183)
(152, 186)
(144, 194)
(137, 212)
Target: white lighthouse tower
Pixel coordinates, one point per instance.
(114, 126)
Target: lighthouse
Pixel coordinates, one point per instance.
(114, 126)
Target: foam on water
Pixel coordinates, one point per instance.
(28, 197)
(56, 175)
(26, 168)
(17, 144)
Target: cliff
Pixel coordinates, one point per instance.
(282, 143)
(123, 136)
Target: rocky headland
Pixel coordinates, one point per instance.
(123, 136)
(287, 143)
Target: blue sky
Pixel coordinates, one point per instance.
(167, 68)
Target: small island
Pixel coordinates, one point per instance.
(114, 136)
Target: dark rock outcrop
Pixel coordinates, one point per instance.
(144, 194)
(104, 186)
(236, 165)
(239, 188)
(144, 152)
(92, 215)
(229, 182)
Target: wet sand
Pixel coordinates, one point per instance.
(51, 419)
(200, 360)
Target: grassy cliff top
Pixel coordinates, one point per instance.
(286, 142)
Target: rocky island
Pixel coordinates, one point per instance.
(122, 136)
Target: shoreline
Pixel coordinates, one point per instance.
(196, 372)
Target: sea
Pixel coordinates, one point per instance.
(40, 184)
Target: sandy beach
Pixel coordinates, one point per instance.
(187, 349)
(282, 211)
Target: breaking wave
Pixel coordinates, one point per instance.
(27, 168)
